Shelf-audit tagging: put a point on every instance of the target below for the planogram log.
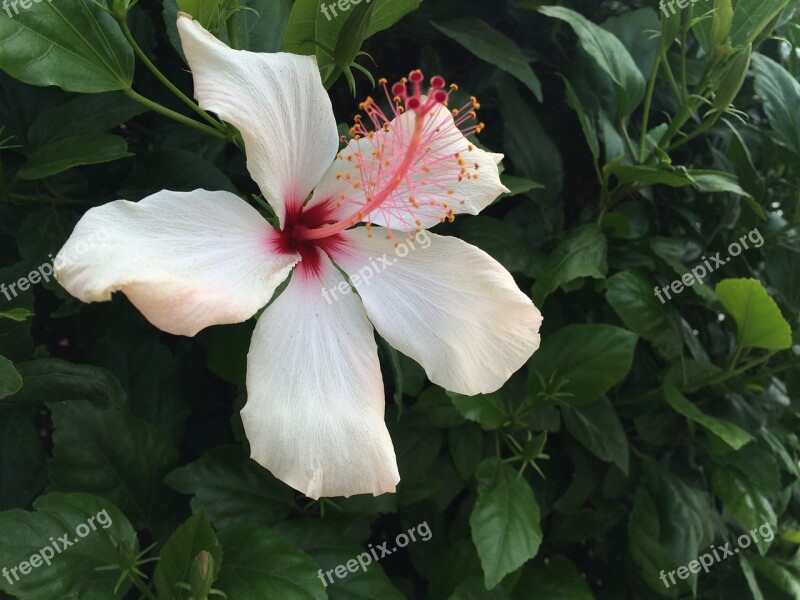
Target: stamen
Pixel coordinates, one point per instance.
(412, 149)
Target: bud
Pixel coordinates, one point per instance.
(202, 575)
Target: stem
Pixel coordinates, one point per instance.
(176, 116)
(163, 79)
(648, 100)
(702, 129)
(627, 138)
(230, 25)
(141, 586)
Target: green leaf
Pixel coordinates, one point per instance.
(494, 47)
(597, 426)
(64, 154)
(258, 564)
(530, 150)
(751, 18)
(16, 314)
(112, 454)
(260, 26)
(516, 186)
(683, 511)
(497, 239)
(309, 23)
(632, 298)
(609, 53)
(23, 473)
(781, 94)
(466, 448)
(582, 362)
(644, 540)
(96, 113)
(77, 46)
(585, 118)
(205, 12)
(232, 488)
(56, 380)
(744, 500)
(178, 555)
(352, 34)
(504, 522)
(581, 254)
(731, 434)
(758, 318)
(782, 577)
(93, 527)
(784, 275)
(329, 548)
(558, 580)
(10, 379)
(488, 410)
(650, 175)
(716, 182)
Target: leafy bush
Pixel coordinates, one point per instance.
(648, 449)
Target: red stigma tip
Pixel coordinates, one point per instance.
(437, 81)
(413, 103)
(398, 89)
(440, 96)
(415, 76)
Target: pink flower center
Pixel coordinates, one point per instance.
(420, 146)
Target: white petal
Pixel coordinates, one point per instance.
(446, 304)
(314, 413)
(447, 174)
(186, 260)
(279, 105)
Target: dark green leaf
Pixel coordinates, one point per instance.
(505, 521)
(494, 47)
(732, 434)
(92, 526)
(10, 379)
(582, 362)
(610, 54)
(581, 254)
(231, 488)
(77, 46)
(597, 426)
(112, 454)
(179, 553)
(64, 154)
(258, 564)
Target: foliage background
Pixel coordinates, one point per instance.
(639, 435)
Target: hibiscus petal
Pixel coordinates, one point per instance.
(446, 304)
(279, 105)
(186, 260)
(314, 413)
(448, 175)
